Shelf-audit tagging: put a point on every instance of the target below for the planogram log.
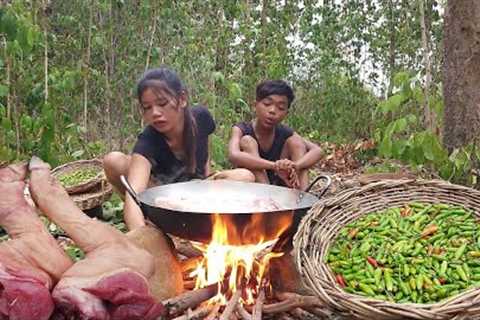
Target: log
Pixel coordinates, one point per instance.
(189, 284)
(301, 314)
(257, 309)
(244, 315)
(198, 314)
(291, 301)
(190, 299)
(213, 313)
(185, 247)
(190, 264)
(231, 305)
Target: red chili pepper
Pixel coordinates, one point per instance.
(341, 281)
(372, 261)
(442, 280)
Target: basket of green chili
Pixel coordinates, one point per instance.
(394, 249)
(80, 176)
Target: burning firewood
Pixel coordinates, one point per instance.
(231, 305)
(257, 309)
(198, 314)
(243, 313)
(191, 299)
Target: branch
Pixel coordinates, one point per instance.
(191, 299)
(243, 313)
(257, 309)
(198, 314)
(213, 313)
(292, 301)
(231, 305)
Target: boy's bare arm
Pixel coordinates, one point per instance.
(313, 155)
(244, 159)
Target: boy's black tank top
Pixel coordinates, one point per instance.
(282, 133)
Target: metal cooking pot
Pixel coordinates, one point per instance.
(186, 209)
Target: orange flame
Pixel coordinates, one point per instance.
(239, 260)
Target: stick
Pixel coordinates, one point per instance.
(320, 313)
(257, 309)
(300, 314)
(191, 299)
(285, 316)
(243, 313)
(186, 248)
(213, 314)
(292, 301)
(198, 314)
(189, 284)
(190, 263)
(231, 305)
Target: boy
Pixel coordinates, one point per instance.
(273, 152)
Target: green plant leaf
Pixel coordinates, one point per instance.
(392, 103)
(401, 78)
(8, 25)
(385, 147)
(3, 90)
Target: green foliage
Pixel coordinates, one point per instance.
(405, 139)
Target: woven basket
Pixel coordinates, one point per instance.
(320, 227)
(81, 164)
(93, 198)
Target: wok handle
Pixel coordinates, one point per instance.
(129, 189)
(328, 182)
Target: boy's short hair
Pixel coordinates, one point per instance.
(278, 87)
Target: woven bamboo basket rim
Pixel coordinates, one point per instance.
(83, 164)
(326, 218)
(93, 198)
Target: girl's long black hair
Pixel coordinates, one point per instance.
(167, 80)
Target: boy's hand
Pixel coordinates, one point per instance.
(285, 169)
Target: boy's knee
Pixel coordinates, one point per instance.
(248, 143)
(296, 143)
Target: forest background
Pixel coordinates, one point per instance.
(362, 70)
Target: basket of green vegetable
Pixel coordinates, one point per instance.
(394, 249)
(80, 176)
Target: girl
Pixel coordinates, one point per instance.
(172, 148)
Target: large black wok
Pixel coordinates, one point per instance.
(186, 209)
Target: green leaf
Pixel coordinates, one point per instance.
(400, 125)
(8, 25)
(235, 90)
(385, 148)
(428, 148)
(6, 124)
(401, 78)
(3, 90)
(392, 103)
(218, 77)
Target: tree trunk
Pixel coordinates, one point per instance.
(8, 68)
(429, 113)
(152, 36)
(86, 66)
(461, 72)
(45, 57)
(392, 48)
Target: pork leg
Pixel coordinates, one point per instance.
(31, 262)
(112, 282)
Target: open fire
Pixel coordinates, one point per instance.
(229, 277)
(238, 267)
